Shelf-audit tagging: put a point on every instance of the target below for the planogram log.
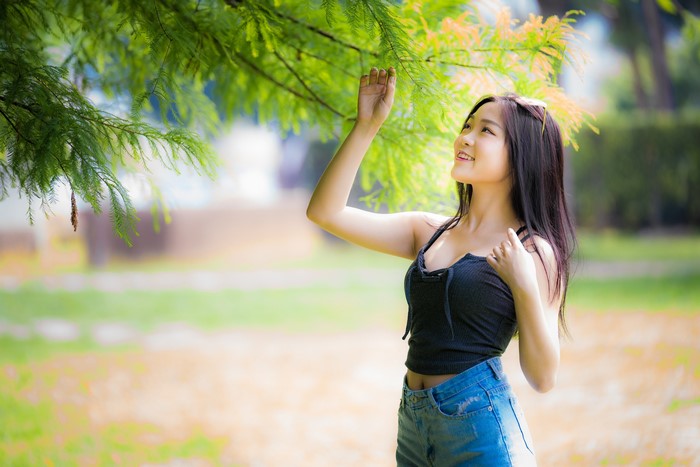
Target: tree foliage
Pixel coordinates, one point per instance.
(190, 63)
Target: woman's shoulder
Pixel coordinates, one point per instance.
(541, 249)
(426, 225)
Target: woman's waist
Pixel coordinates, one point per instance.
(417, 381)
(487, 374)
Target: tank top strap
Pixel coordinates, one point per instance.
(435, 236)
(522, 229)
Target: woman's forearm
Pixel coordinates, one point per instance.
(333, 189)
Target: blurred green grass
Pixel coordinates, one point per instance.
(295, 309)
(615, 246)
(317, 308)
(33, 434)
(650, 294)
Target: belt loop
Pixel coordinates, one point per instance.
(494, 363)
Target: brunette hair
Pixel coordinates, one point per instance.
(536, 159)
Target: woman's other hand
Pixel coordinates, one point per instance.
(514, 264)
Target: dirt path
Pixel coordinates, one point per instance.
(628, 393)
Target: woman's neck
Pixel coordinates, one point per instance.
(490, 210)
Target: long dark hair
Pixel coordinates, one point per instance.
(536, 159)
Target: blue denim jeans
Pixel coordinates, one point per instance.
(472, 419)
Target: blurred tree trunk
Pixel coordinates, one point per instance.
(662, 77)
(639, 92)
(663, 98)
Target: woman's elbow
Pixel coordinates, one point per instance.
(314, 214)
(543, 384)
(311, 214)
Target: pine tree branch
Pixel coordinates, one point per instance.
(106, 122)
(391, 44)
(82, 159)
(500, 49)
(12, 124)
(457, 64)
(487, 49)
(60, 163)
(63, 169)
(224, 50)
(161, 69)
(267, 76)
(306, 86)
(302, 52)
(159, 75)
(323, 33)
(155, 6)
(26, 107)
(313, 97)
(284, 86)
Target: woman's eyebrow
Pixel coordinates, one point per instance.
(486, 120)
(483, 120)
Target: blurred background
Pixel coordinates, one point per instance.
(237, 333)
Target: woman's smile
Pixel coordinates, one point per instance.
(463, 156)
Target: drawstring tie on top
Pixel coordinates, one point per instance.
(448, 312)
(446, 299)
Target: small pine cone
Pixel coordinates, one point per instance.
(73, 212)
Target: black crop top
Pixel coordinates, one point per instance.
(458, 316)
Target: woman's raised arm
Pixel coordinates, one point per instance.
(399, 234)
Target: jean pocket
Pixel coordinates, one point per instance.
(522, 424)
(467, 403)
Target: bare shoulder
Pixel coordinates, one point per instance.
(425, 224)
(546, 265)
(429, 222)
(541, 249)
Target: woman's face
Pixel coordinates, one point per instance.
(481, 154)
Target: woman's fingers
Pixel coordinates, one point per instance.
(373, 75)
(502, 249)
(364, 80)
(513, 237)
(497, 252)
(381, 77)
(390, 86)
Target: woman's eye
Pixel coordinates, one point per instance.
(487, 130)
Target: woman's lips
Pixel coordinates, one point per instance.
(463, 156)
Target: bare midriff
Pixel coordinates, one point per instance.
(417, 381)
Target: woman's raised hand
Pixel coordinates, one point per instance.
(376, 96)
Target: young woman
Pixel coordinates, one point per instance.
(499, 265)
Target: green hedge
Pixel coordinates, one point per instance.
(640, 171)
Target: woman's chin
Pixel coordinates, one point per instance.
(457, 176)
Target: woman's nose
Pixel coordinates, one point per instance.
(466, 138)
